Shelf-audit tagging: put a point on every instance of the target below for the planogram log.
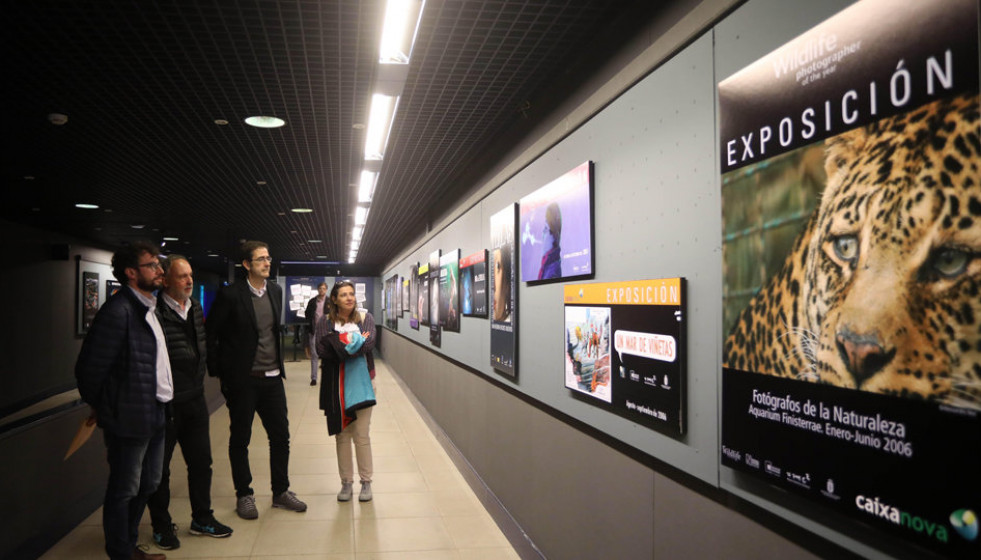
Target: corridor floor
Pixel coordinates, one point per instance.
(422, 507)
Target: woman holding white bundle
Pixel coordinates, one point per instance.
(345, 338)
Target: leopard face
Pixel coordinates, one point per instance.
(882, 291)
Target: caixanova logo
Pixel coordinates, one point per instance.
(890, 513)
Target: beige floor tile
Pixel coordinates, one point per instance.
(401, 534)
(398, 504)
(409, 555)
(475, 531)
(305, 537)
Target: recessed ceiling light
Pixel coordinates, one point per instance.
(171, 238)
(321, 256)
(85, 206)
(314, 241)
(221, 122)
(358, 126)
(212, 254)
(265, 122)
(260, 182)
(28, 177)
(280, 213)
(137, 226)
(301, 210)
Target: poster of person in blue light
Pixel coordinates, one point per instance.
(556, 228)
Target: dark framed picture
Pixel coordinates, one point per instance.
(449, 291)
(87, 293)
(504, 304)
(473, 284)
(556, 228)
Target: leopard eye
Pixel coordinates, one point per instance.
(846, 247)
(950, 262)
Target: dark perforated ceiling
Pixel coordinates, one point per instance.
(143, 82)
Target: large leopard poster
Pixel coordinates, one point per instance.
(851, 177)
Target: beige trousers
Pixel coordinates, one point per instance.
(357, 432)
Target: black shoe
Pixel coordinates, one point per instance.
(313, 382)
(213, 528)
(167, 539)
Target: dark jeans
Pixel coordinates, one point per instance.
(267, 397)
(134, 473)
(187, 424)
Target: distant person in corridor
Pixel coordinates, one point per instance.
(314, 311)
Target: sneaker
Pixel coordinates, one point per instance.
(212, 528)
(167, 539)
(365, 495)
(345, 494)
(245, 508)
(288, 500)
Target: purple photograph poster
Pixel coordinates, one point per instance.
(556, 228)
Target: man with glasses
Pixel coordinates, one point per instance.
(244, 351)
(123, 373)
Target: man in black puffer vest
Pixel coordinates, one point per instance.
(182, 320)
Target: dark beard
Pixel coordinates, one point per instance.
(146, 286)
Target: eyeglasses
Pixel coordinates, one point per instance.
(263, 259)
(154, 264)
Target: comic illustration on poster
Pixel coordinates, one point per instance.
(556, 224)
(504, 308)
(299, 291)
(435, 328)
(851, 361)
(414, 296)
(625, 346)
(449, 291)
(473, 280)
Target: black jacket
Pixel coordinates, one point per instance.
(233, 334)
(116, 369)
(311, 313)
(187, 347)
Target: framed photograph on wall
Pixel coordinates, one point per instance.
(556, 228)
(504, 304)
(449, 291)
(473, 284)
(414, 296)
(435, 329)
(844, 335)
(88, 294)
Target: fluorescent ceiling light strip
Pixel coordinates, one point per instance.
(357, 232)
(360, 216)
(380, 118)
(392, 49)
(366, 189)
